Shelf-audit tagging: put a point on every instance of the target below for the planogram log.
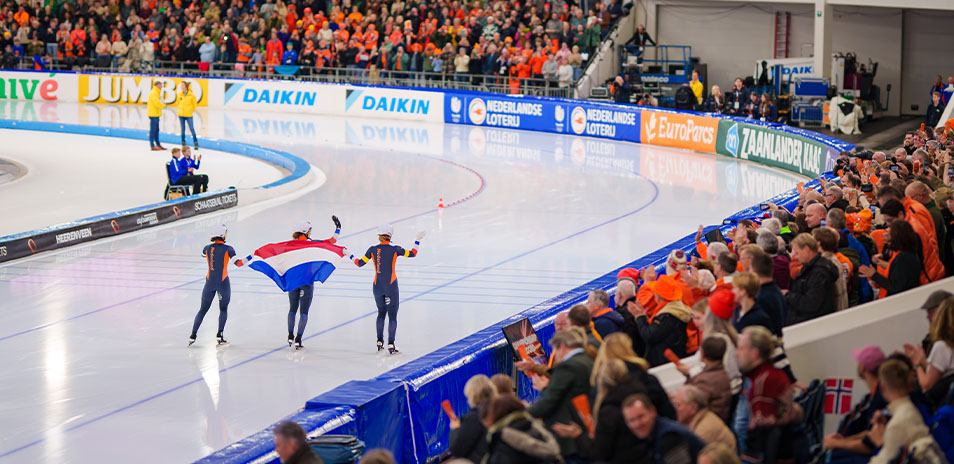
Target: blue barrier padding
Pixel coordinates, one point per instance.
(339, 420)
(379, 408)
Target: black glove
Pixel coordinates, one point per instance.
(336, 221)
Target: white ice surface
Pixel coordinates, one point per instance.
(93, 338)
(72, 177)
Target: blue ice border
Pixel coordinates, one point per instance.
(400, 409)
(297, 167)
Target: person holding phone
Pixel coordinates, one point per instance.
(895, 429)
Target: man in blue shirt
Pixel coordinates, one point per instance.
(179, 174)
(192, 165)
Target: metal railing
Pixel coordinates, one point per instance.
(389, 78)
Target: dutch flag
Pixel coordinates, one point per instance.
(297, 262)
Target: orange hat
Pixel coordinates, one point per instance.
(722, 303)
(666, 288)
(628, 272)
(859, 222)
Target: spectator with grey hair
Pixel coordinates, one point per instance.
(291, 444)
(835, 198)
(716, 249)
(692, 411)
(468, 436)
(772, 224)
(812, 293)
(605, 320)
(569, 378)
(780, 263)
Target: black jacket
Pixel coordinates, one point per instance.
(812, 293)
(304, 455)
(518, 439)
(613, 442)
(933, 115)
(667, 331)
(469, 441)
(903, 274)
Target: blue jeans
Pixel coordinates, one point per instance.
(182, 123)
(740, 421)
(154, 131)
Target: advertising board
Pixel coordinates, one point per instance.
(605, 121)
(34, 86)
(134, 89)
(26, 245)
(508, 112)
(408, 105)
(277, 96)
(679, 130)
(771, 147)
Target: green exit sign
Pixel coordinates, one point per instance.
(819, 13)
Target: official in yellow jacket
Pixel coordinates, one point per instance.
(154, 109)
(187, 104)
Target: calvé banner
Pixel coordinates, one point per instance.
(134, 89)
(525, 113)
(34, 86)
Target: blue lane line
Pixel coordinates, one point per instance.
(373, 313)
(133, 300)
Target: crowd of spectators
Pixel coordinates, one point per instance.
(511, 39)
(882, 227)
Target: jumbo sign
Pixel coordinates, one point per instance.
(106, 88)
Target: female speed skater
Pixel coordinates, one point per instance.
(217, 255)
(385, 287)
(300, 298)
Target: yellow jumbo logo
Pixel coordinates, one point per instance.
(101, 88)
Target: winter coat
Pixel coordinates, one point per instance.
(469, 441)
(568, 379)
(667, 330)
(812, 293)
(519, 438)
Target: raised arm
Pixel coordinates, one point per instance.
(334, 238)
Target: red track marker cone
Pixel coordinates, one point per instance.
(440, 203)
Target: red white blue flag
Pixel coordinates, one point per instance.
(838, 395)
(297, 262)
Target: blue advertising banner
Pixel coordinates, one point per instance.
(614, 122)
(543, 115)
(512, 112)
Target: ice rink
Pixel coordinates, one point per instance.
(94, 337)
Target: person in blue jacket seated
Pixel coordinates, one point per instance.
(179, 173)
(192, 165)
(605, 319)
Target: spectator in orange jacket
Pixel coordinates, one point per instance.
(919, 218)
